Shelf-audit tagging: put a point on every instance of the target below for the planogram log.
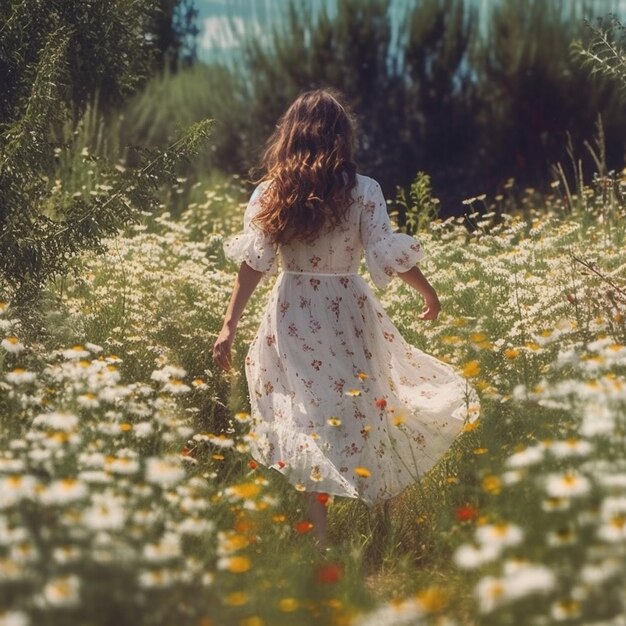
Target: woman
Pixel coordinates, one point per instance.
(340, 403)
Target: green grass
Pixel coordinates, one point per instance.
(122, 540)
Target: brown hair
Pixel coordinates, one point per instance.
(308, 163)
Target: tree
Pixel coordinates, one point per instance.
(55, 57)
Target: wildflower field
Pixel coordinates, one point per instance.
(128, 497)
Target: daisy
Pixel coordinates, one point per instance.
(571, 447)
(471, 557)
(63, 591)
(14, 618)
(164, 471)
(570, 484)
(499, 535)
(12, 344)
(58, 420)
(64, 491)
(167, 548)
(20, 376)
(529, 456)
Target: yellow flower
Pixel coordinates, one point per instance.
(450, 340)
(492, 484)
(363, 472)
(362, 376)
(334, 421)
(288, 605)
(252, 621)
(471, 369)
(236, 598)
(511, 353)
(353, 393)
(238, 564)
(233, 542)
(432, 599)
(471, 425)
(245, 490)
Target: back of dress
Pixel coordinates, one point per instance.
(339, 251)
(340, 403)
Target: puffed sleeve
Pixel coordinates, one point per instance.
(386, 252)
(252, 245)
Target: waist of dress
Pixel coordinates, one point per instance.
(298, 273)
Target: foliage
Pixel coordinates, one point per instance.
(531, 93)
(605, 53)
(474, 105)
(421, 207)
(54, 61)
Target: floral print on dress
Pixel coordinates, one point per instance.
(340, 402)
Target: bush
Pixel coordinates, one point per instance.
(54, 62)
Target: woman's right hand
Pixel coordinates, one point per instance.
(222, 348)
(431, 308)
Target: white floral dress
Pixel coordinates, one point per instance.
(340, 402)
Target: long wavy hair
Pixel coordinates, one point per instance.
(309, 166)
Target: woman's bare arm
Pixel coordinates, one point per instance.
(245, 284)
(418, 281)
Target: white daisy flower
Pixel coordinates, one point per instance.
(63, 491)
(156, 578)
(75, 352)
(491, 592)
(12, 344)
(15, 488)
(470, 557)
(176, 386)
(20, 376)
(500, 535)
(14, 618)
(126, 465)
(567, 485)
(63, 591)
(530, 456)
(571, 447)
(58, 420)
(167, 548)
(164, 471)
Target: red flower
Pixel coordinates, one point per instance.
(280, 464)
(303, 527)
(381, 403)
(253, 464)
(329, 574)
(466, 513)
(322, 497)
